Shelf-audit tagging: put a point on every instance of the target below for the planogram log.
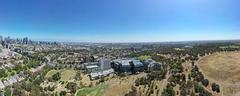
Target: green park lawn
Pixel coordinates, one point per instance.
(144, 57)
(93, 91)
(231, 46)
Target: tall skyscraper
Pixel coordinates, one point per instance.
(25, 40)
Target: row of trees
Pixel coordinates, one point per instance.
(199, 77)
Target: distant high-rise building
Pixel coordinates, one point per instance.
(25, 40)
(7, 40)
(1, 38)
(7, 46)
(105, 63)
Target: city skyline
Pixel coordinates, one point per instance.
(120, 21)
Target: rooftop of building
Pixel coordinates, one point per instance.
(91, 66)
(137, 63)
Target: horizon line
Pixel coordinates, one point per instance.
(164, 41)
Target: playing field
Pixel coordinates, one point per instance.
(224, 69)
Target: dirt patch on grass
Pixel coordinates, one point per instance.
(224, 69)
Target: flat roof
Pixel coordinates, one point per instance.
(91, 66)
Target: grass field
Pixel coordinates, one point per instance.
(111, 87)
(223, 68)
(144, 57)
(121, 86)
(93, 91)
(231, 46)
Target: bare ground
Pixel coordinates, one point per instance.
(224, 69)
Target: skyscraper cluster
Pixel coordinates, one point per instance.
(5, 42)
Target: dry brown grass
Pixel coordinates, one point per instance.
(121, 86)
(224, 69)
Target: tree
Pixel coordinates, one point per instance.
(198, 88)
(35, 91)
(72, 87)
(205, 82)
(7, 92)
(192, 63)
(189, 77)
(3, 73)
(215, 87)
(63, 93)
(56, 76)
(18, 68)
(183, 92)
(28, 86)
(78, 76)
(169, 91)
(192, 94)
(102, 79)
(132, 67)
(189, 84)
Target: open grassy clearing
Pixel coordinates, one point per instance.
(144, 57)
(51, 73)
(65, 74)
(121, 86)
(112, 87)
(223, 68)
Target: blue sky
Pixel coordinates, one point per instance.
(120, 20)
